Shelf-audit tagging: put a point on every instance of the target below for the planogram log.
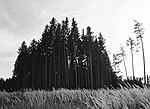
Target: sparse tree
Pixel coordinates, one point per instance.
(131, 43)
(139, 31)
(116, 62)
(123, 58)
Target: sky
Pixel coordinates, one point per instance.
(23, 20)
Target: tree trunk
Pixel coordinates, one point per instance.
(23, 77)
(102, 71)
(75, 65)
(98, 71)
(143, 60)
(33, 72)
(132, 62)
(91, 70)
(54, 64)
(65, 64)
(39, 79)
(45, 73)
(125, 66)
(58, 66)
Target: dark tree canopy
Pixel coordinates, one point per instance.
(64, 58)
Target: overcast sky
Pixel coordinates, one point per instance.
(25, 19)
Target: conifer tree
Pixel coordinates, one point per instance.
(20, 70)
(58, 55)
(85, 59)
(72, 41)
(123, 58)
(101, 42)
(90, 39)
(139, 31)
(64, 52)
(96, 64)
(131, 44)
(44, 56)
(33, 52)
(52, 51)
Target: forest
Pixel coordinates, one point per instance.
(63, 58)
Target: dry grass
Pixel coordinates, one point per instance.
(135, 98)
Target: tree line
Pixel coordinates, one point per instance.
(64, 58)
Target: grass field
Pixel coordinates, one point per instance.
(132, 98)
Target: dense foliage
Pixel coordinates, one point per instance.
(63, 58)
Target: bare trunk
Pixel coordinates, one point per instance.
(59, 71)
(54, 68)
(24, 76)
(65, 65)
(98, 73)
(143, 60)
(75, 66)
(91, 70)
(33, 73)
(39, 78)
(125, 67)
(45, 73)
(132, 63)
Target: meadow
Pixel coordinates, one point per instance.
(124, 98)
